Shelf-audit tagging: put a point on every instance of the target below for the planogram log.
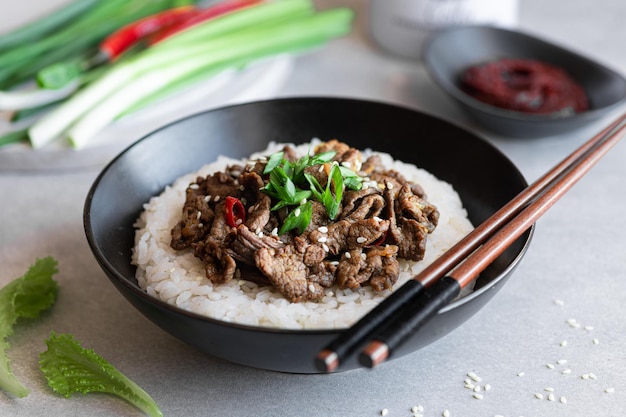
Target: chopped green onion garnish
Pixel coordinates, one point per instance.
(291, 186)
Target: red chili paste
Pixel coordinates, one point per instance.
(525, 85)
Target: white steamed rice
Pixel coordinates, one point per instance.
(177, 277)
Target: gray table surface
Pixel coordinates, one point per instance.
(578, 256)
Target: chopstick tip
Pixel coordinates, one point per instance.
(375, 353)
(326, 361)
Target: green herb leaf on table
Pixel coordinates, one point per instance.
(24, 297)
(70, 368)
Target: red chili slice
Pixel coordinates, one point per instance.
(235, 211)
(202, 15)
(122, 39)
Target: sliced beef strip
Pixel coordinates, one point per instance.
(384, 265)
(361, 204)
(378, 266)
(219, 186)
(414, 207)
(409, 224)
(246, 242)
(372, 164)
(258, 203)
(197, 216)
(219, 266)
(347, 234)
(288, 274)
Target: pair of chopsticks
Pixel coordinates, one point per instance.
(401, 314)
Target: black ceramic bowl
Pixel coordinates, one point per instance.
(449, 52)
(484, 178)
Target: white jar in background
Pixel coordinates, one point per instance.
(401, 26)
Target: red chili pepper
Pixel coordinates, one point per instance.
(202, 15)
(235, 211)
(122, 39)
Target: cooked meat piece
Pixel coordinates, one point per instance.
(218, 265)
(351, 159)
(378, 266)
(289, 153)
(323, 273)
(220, 229)
(385, 268)
(412, 220)
(193, 226)
(288, 274)
(219, 186)
(350, 264)
(258, 203)
(361, 204)
(372, 164)
(333, 145)
(347, 235)
(252, 274)
(246, 242)
(414, 207)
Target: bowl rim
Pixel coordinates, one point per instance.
(134, 288)
(452, 88)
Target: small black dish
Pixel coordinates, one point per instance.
(450, 51)
(483, 176)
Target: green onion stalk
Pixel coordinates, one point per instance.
(234, 40)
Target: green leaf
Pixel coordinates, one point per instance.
(299, 219)
(351, 179)
(323, 157)
(316, 188)
(273, 161)
(25, 297)
(70, 368)
(332, 202)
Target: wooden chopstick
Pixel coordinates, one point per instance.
(415, 302)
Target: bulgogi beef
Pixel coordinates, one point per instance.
(231, 222)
